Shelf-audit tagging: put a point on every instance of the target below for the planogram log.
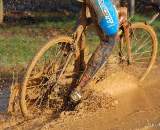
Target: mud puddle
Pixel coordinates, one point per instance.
(117, 103)
(136, 107)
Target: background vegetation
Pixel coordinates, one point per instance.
(23, 33)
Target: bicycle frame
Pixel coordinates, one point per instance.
(79, 36)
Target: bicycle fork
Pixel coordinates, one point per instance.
(125, 41)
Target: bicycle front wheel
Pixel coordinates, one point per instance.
(143, 50)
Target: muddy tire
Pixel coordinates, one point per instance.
(44, 74)
(143, 50)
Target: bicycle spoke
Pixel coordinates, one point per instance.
(141, 53)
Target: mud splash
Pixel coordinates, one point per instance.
(116, 84)
(117, 102)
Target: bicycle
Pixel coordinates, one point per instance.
(59, 63)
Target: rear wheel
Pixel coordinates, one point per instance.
(48, 78)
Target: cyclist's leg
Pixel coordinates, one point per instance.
(98, 58)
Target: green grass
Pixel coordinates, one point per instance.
(19, 49)
(62, 24)
(155, 24)
(19, 42)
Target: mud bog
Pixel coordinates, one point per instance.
(118, 102)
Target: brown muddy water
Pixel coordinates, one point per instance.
(118, 103)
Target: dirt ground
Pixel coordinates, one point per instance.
(118, 103)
